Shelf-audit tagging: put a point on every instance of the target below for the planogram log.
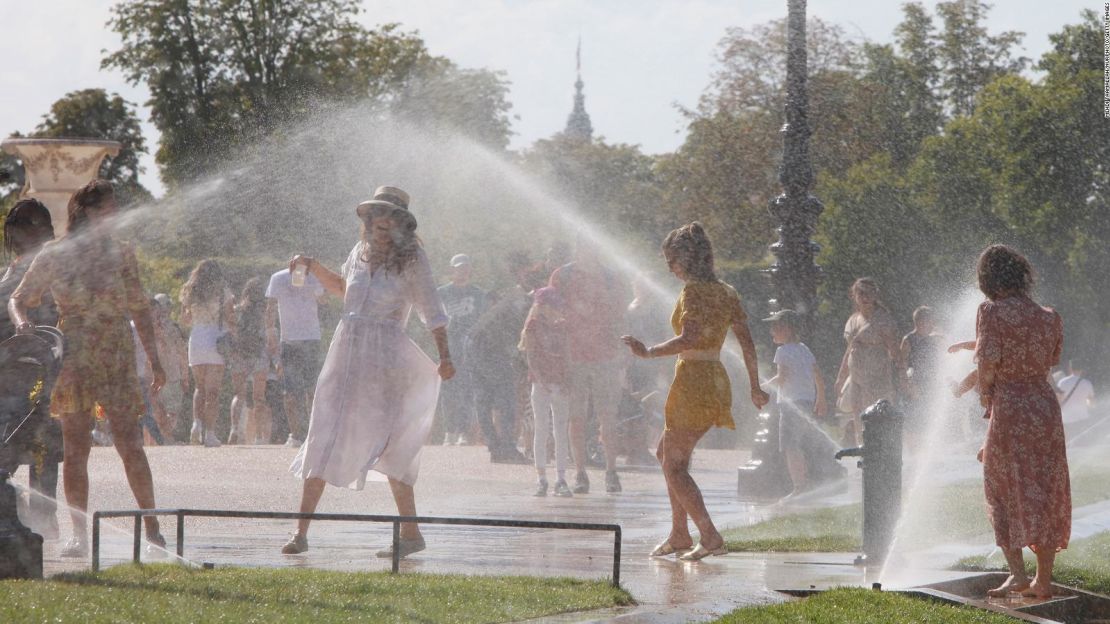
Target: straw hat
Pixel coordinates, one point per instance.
(393, 200)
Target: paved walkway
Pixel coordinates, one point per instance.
(460, 481)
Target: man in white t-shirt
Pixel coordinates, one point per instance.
(1076, 394)
(296, 309)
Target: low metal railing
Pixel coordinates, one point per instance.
(181, 514)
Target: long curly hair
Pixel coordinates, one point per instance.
(205, 284)
(690, 246)
(1004, 272)
(250, 313)
(88, 196)
(403, 251)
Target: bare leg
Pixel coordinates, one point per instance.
(310, 498)
(77, 441)
(258, 421)
(678, 445)
(796, 466)
(680, 527)
(198, 396)
(406, 506)
(238, 405)
(127, 437)
(215, 378)
(1041, 587)
(607, 420)
(1018, 580)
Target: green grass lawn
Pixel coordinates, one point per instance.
(957, 512)
(1085, 564)
(835, 529)
(168, 594)
(862, 606)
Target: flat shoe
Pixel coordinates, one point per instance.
(75, 549)
(296, 545)
(701, 552)
(405, 547)
(664, 548)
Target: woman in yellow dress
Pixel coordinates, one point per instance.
(700, 396)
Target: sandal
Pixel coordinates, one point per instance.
(156, 545)
(664, 548)
(701, 552)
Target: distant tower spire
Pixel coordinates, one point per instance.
(578, 123)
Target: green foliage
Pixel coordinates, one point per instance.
(172, 593)
(224, 73)
(615, 183)
(863, 606)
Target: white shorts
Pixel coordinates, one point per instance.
(202, 345)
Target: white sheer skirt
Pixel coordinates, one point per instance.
(373, 407)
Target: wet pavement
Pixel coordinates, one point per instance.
(460, 481)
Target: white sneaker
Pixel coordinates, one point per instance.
(292, 442)
(196, 434)
(210, 439)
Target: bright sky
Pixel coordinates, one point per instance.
(639, 57)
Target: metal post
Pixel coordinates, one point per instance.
(180, 534)
(138, 538)
(96, 543)
(396, 547)
(794, 272)
(617, 558)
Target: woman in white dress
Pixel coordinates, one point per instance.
(377, 391)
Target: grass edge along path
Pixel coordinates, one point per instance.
(838, 529)
(169, 594)
(862, 606)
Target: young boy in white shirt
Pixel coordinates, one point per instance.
(800, 392)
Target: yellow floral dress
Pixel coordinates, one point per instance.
(701, 395)
(95, 283)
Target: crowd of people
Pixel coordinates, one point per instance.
(535, 370)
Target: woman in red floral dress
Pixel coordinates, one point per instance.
(1025, 465)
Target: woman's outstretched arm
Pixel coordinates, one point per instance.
(330, 280)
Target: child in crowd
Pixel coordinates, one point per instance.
(921, 351)
(1075, 393)
(543, 342)
(800, 392)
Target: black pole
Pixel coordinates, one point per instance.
(794, 272)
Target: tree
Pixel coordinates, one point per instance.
(225, 73)
(614, 183)
(92, 114)
(969, 56)
(725, 173)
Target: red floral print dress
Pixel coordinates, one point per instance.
(1025, 464)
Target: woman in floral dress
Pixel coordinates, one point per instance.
(1025, 465)
(871, 358)
(95, 282)
(701, 395)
